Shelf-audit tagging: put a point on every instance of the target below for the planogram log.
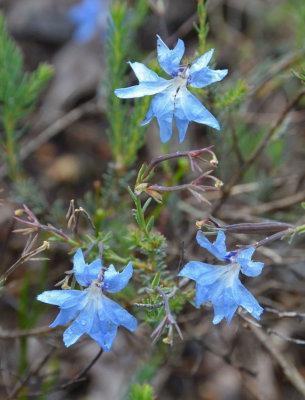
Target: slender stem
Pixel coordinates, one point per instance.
(250, 227)
(115, 257)
(11, 150)
(83, 372)
(26, 256)
(274, 237)
(193, 153)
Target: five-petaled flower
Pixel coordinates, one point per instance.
(90, 18)
(220, 284)
(172, 97)
(97, 315)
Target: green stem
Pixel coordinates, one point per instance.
(138, 264)
(11, 150)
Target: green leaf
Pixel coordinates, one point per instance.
(156, 280)
(146, 204)
(141, 392)
(132, 195)
(233, 96)
(150, 223)
(19, 92)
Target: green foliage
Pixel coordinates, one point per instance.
(203, 27)
(290, 13)
(18, 94)
(141, 392)
(25, 191)
(125, 134)
(149, 243)
(300, 75)
(233, 97)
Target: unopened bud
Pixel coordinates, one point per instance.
(200, 223)
(214, 161)
(218, 183)
(46, 245)
(65, 285)
(141, 187)
(168, 340)
(18, 212)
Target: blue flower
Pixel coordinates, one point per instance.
(220, 284)
(173, 99)
(95, 314)
(90, 17)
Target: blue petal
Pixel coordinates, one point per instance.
(182, 125)
(202, 61)
(162, 107)
(229, 305)
(65, 315)
(114, 281)
(60, 297)
(143, 89)
(224, 306)
(244, 298)
(202, 294)
(93, 270)
(118, 315)
(206, 76)
(83, 272)
(192, 270)
(188, 108)
(214, 273)
(218, 248)
(81, 325)
(249, 267)
(168, 59)
(104, 330)
(143, 73)
(79, 267)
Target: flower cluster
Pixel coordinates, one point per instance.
(90, 311)
(172, 97)
(96, 315)
(220, 284)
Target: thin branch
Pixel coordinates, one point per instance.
(289, 370)
(168, 319)
(286, 338)
(76, 379)
(31, 373)
(81, 375)
(279, 67)
(228, 359)
(285, 314)
(279, 204)
(56, 127)
(26, 256)
(192, 154)
(258, 150)
(157, 305)
(8, 335)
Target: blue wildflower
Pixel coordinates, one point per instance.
(96, 314)
(89, 17)
(220, 284)
(172, 97)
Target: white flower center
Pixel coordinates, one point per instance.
(180, 81)
(231, 272)
(94, 294)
